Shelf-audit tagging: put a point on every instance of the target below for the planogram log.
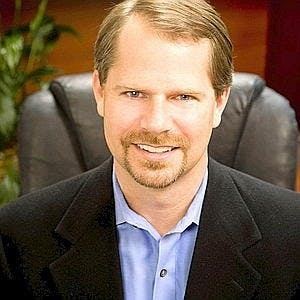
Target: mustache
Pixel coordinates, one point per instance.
(155, 139)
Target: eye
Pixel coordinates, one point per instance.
(134, 94)
(185, 97)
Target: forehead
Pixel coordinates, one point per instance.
(138, 28)
(145, 53)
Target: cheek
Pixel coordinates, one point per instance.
(197, 124)
(119, 119)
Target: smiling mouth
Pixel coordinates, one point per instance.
(158, 149)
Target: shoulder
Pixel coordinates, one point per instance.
(272, 207)
(259, 191)
(47, 206)
(252, 187)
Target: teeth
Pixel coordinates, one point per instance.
(154, 149)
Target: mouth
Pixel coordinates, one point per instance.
(155, 149)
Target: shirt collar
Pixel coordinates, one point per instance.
(124, 214)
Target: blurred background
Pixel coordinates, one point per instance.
(265, 35)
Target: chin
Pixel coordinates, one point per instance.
(155, 175)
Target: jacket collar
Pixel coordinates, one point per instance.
(219, 269)
(91, 266)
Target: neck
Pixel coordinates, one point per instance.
(163, 208)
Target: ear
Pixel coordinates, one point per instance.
(221, 102)
(98, 93)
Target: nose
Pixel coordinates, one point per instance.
(157, 115)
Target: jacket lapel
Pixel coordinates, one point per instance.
(219, 270)
(91, 266)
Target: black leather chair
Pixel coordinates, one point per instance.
(61, 135)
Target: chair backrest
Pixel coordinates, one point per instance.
(60, 134)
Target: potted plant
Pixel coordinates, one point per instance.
(23, 61)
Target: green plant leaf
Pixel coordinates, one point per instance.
(23, 29)
(54, 36)
(11, 85)
(11, 49)
(38, 19)
(38, 73)
(10, 180)
(19, 81)
(8, 118)
(43, 41)
(39, 42)
(6, 85)
(9, 190)
(47, 35)
(66, 29)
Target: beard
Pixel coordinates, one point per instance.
(153, 173)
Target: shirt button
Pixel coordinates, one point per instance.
(163, 273)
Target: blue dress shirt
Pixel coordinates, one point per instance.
(155, 267)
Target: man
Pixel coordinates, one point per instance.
(160, 220)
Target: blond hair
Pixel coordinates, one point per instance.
(174, 19)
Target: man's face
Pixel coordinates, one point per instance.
(158, 105)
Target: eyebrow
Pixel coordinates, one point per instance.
(121, 87)
(189, 91)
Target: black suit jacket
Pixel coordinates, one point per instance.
(62, 240)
